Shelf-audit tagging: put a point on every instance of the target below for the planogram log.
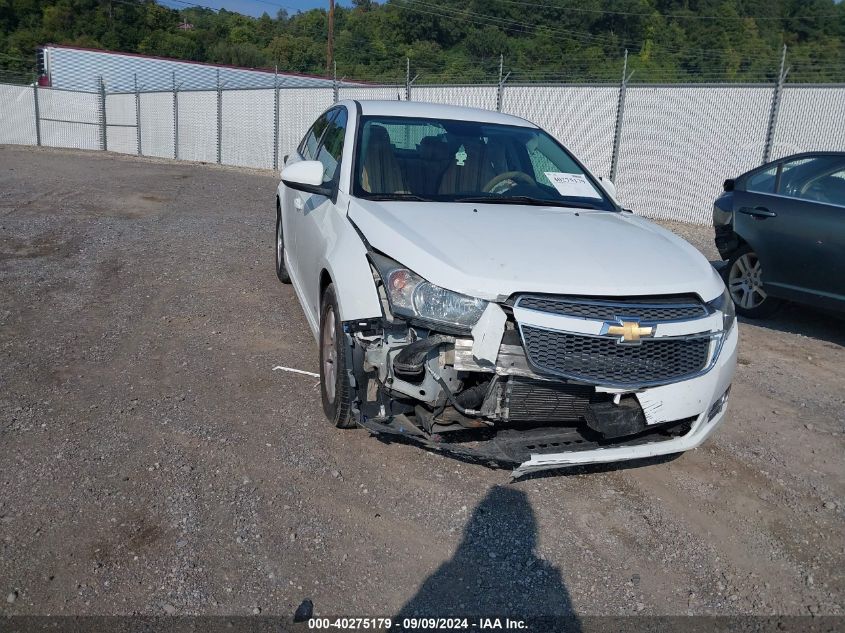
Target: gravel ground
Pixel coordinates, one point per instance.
(153, 463)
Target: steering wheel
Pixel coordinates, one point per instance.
(508, 175)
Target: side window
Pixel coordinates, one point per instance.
(818, 179)
(763, 181)
(829, 188)
(541, 164)
(547, 157)
(332, 147)
(308, 146)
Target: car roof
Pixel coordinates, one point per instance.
(436, 111)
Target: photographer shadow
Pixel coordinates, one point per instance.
(495, 572)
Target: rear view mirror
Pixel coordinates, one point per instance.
(307, 176)
(609, 187)
(728, 185)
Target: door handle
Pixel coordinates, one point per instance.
(298, 204)
(758, 213)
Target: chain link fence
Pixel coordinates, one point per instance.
(668, 147)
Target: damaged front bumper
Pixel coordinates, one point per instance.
(483, 397)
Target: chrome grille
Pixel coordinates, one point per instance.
(602, 360)
(650, 311)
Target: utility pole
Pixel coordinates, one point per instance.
(330, 46)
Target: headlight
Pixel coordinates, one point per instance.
(725, 305)
(413, 297)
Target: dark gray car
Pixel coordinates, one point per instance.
(781, 227)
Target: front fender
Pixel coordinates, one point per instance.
(345, 261)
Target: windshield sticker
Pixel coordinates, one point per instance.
(460, 156)
(572, 185)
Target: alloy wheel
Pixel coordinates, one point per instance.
(329, 354)
(280, 245)
(745, 282)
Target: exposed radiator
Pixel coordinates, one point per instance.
(527, 400)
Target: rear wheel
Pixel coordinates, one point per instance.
(281, 271)
(334, 385)
(744, 279)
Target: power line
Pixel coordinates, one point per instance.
(673, 16)
(487, 20)
(216, 10)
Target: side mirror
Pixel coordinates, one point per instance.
(307, 176)
(729, 184)
(609, 187)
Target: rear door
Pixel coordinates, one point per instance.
(792, 216)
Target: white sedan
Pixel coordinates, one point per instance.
(474, 288)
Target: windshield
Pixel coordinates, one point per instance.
(400, 158)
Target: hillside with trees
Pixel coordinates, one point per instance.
(446, 40)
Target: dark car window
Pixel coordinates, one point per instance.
(830, 188)
(308, 146)
(818, 179)
(763, 181)
(332, 147)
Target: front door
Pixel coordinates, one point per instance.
(315, 236)
(295, 202)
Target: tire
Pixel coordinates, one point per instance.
(744, 278)
(281, 271)
(334, 386)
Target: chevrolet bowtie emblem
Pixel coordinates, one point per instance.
(628, 331)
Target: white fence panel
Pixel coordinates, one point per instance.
(679, 144)
(298, 108)
(810, 119)
(17, 115)
(198, 126)
(123, 140)
(157, 124)
(581, 117)
(248, 128)
(120, 109)
(69, 119)
(369, 93)
(120, 113)
(469, 96)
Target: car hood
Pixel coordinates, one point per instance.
(493, 250)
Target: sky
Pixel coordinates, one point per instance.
(257, 7)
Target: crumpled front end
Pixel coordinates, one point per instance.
(544, 381)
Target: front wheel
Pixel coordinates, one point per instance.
(745, 283)
(281, 270)
(334, 385)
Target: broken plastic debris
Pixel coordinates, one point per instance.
(296, 371)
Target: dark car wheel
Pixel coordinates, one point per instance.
(334, 385)
(281, 271)
(744, 279)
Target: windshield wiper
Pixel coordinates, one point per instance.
(527, 200)
(397, 196)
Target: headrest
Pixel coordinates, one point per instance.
(434, 148)
(379, 135)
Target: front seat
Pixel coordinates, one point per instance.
(380, 172)
(469, 177)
